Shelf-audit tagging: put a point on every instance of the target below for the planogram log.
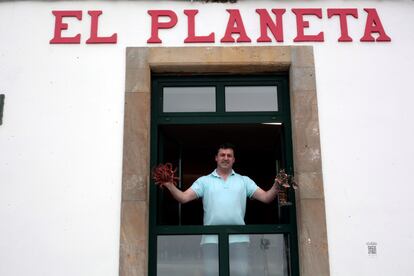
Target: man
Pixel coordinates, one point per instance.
(224, 195)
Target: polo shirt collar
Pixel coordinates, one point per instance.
(214, 173)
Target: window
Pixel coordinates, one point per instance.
(190, 117)
(251, 98)
(189, 99)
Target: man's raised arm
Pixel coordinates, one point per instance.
(180, 196)
(266, 196)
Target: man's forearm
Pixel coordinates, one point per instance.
(266, 196)
(180, 196)
(271, 194)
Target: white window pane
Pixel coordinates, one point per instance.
(265, 254)
(189, 99)
(251, 98)
(183, 255)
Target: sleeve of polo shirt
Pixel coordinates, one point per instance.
(250, 186)
(198, 187)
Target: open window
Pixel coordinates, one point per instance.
(191, 116)
(191, 148)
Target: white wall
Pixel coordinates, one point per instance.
(61, 138)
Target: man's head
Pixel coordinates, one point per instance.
(225, 157)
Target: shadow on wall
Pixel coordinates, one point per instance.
(1, 108)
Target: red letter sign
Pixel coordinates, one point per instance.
(156, 25)
(235, 18)
(192, 38)
(301, 25)
(60, 26)
(374, 25)
(342, 13)
(275, 27)
(94, 30)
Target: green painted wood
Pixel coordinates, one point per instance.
(158, 118)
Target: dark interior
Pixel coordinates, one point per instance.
(192, 148)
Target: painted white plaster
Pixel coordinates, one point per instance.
(61, 138)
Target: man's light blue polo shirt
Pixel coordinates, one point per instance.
(224, 202)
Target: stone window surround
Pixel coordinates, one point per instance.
(299, 62)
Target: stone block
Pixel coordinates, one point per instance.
(133, 261)
(310, 185)
(136, 57)
(302, 56)
(161, 58)
(136, 146)
(138, 80)
(134, 236)
(302, 78)
(303, 104)
(313, 246)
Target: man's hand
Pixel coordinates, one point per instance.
(277, 184)
(167, 185)
(266, 196)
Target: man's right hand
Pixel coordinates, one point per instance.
(167, 185)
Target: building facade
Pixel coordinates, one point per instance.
(96, 93)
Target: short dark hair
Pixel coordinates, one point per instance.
(226, 146)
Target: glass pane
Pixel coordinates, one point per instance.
(265, 254)
(251, 98)
(189, 99)
(183, 255)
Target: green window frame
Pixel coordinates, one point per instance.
(220, 116)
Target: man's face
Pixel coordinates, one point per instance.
(225, 159)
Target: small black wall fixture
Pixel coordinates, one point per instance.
(1, 108)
